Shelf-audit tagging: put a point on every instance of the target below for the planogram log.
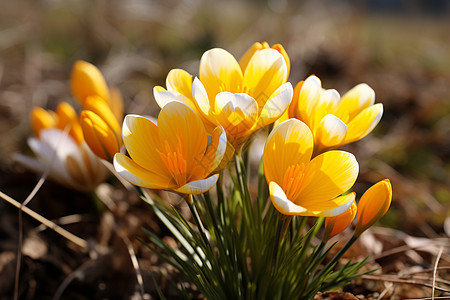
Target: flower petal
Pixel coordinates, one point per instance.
(179, 81)
(364, 123)
(355, 100)
(290, 143)
(198, 186)
(201, 97)
(139, 176)
(245, 59)
(265, 73)
(331, 131)
(327, 176)
(184, 131)
(219, 71)
(42, 119)
(163, 97)
(282, 203)
(338, 205)
(86, 80)
(309, 96)
(213, 155)
(139, 135)
(373, 204)
(276, 105)
(98, 135)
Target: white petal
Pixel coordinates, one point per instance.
(164, 97)
(331, 131)
(234, 102)
(199, 186)
(29, 162)
(282, 203)
(200, 95)
(221, 148)
(277, 104)
(340, 209)
(331, 97)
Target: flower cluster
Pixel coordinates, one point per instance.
(205, 122)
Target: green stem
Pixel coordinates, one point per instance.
(341, 252)
(311, 235)
(197, 220)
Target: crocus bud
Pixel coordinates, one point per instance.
(86, 80)
(101, 109)
(373, 205)
(337, 224)
(42, 119)
(98, 135)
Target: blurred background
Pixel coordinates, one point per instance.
(400, 48)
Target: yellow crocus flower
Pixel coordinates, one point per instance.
(60, 148)
(334, 121)
(103, 109)
(299, 185)
(172, 155)
(373, 204)
(240, 100)
(337, 224)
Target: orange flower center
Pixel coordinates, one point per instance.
(175, 161)
(293, 181)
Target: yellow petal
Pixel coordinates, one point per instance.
(86, 80)
(140, 176)
(219, 71)
(184, 131)
(198, 186)
(116, 103)
(290, 143)
(364, 123)
(100, 108)
(327, 176)
(293, 109)
(308, 97)
(324, 105)
(98, 135)
(213, 156)
(68, 120)
(331, 131)
(373, 204)
(245, 59)
(265, 73)
(276, 105)
(337, 224)
(180, 81)
(42, 119)
(141, 139)
(355, 100)
(283, 52)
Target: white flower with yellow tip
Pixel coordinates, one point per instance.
(61, 150)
